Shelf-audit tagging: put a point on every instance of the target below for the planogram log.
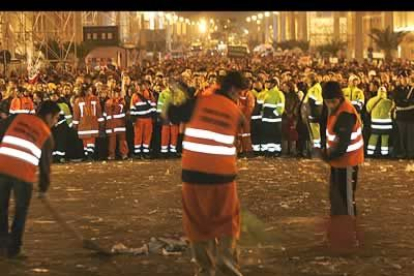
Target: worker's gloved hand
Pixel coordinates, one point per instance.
(41, 195)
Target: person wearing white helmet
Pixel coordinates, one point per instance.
(354, 94)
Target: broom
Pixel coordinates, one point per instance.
(86, 243)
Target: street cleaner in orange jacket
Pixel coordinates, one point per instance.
(26, 143)
(344, 152)
(211, 208)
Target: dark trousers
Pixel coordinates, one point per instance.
(130, 136)
(343, 183)
(22, 192)
(74, 148)
(272, 137)
(256, 134)
(156, 139)
(406, 131)
(60, 137)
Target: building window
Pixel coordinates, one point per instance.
(88, 36)
(110, 36)
(95, 36)
(103, 36)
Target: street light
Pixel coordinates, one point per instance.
(260, 16)
(267, 14)
(258, 22)
(175, 18)
(202, 26)
(181, 19)
(248, 19)
(254, 17)
(212, 21)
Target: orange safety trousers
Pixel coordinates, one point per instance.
(244, 143)
(169, 137)
(143, 134)
(123, 146)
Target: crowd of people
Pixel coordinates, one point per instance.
(108, 113)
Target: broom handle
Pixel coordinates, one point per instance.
(69, 229)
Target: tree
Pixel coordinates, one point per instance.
(332, 47)
(387, 40)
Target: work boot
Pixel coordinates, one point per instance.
(3, 252)
(137, 156)
(146, 155)
(15, 253)
(89, 158)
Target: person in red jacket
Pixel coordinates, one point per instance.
(246, 103)
(22, 104)
(114, 112)
(26, 143)
(87, 120)
(142, 110)
(211, 208)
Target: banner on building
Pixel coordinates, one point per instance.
(237, 51)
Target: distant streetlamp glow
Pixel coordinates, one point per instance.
(202, 26)
(246, 31)
(175, 18)
(212, 21)
(254, 17)
(258, 22)
(248, 19)
(181, 19)
(267, 14)
(260, 16)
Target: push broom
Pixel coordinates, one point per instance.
(86, 243)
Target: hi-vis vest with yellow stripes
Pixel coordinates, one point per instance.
(21, 147)
(355, 152)
(209, 153)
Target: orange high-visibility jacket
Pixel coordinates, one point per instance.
(246, 103)
(143, 105)
(21, 147)
(114, 113)
(355, 152)
(211, 206)
(23, 105)
(87, 114)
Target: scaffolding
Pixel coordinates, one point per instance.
(24, 33)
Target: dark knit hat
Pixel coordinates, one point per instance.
(332, 90)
